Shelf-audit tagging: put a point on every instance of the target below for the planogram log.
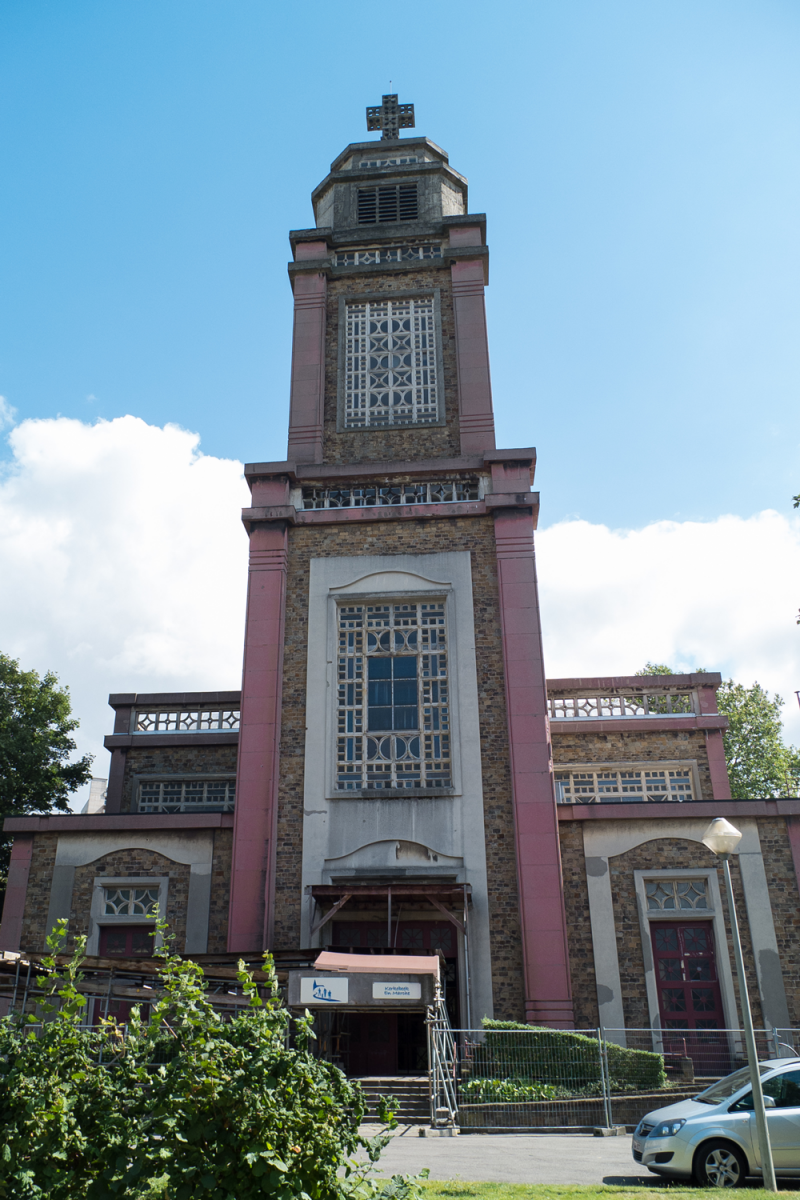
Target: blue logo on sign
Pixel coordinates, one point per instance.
(321, 992)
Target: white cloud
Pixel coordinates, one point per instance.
(8, 414)
(124, 561)
(720, 594)
(124, 568)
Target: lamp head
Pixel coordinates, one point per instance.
(721, 837)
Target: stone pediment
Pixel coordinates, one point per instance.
(391, 581)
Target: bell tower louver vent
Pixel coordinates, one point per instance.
(386, 205)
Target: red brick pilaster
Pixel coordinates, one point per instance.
(253, 865)
(548, 993)
(715, 748)
(308, 360)
(476, 418)
(16, 891)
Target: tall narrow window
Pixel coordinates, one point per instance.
(390, 369)
(393, 712)
(386, 205)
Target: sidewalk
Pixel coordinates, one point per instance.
(516, 1158)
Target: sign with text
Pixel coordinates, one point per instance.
(396, 991)
(324, 989)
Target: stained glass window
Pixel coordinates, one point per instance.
(393, 711)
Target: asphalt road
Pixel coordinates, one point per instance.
(517, 1158)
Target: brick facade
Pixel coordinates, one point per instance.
(131, 862)
(785, 902)
(37, 901)
(638, 747)
(407, 537)
(401, 444)
(662, 855)
(169, 761)
(220, 892)
(579, 930)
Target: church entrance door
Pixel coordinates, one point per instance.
(689, 997)
(372, 1043)
(123, 941)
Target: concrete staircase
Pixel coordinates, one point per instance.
(410, 1090)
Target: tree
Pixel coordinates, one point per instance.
(191, 1103)
(760, 764)
(35, 745)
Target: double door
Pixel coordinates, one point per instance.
(689, 997)
(123, 941)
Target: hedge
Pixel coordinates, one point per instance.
(561, 1058)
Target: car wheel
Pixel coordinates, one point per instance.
(719, 1164)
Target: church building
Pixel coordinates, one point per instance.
(397, 774)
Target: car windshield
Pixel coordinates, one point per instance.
(723, 1089)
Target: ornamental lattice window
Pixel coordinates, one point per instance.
(651, 704)
(377, 496)
(130, 902)
(393, 712)
(629, 784)
(391, 373)
(671, 895)
(186, 720)
(187, 795)
(384, 254)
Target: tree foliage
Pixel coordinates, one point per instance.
(35, 746)
(760, 764)
(188, 1104)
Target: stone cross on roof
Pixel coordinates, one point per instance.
(390, 117)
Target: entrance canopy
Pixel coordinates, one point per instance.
(372, 964)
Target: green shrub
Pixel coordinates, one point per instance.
(498, 1091)
(189, 1104)
(563, 1059)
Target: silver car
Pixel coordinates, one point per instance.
(713, 1138)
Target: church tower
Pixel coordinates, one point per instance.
(385, 782)
(395, 780)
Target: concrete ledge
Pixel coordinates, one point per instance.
(659, 724)
(206, 737)
(679, 810)
(116, 822)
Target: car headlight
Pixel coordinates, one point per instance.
(667, 1129)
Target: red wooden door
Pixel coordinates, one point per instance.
(686, 973)
(689, 997)
(123, 941)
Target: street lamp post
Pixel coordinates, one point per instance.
(722, 838)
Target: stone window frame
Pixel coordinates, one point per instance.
(713, 913)
(445, 594)
(647, 765)
(341, 365)
(98, 917)
(140, 777)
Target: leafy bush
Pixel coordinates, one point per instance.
(563, 1059)
(189, 1104)
(500, 1091)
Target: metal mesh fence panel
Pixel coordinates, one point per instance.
(562, 1079)
(534, 1079)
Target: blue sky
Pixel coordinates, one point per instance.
(638, 162)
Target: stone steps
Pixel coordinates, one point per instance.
(410, 1090)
